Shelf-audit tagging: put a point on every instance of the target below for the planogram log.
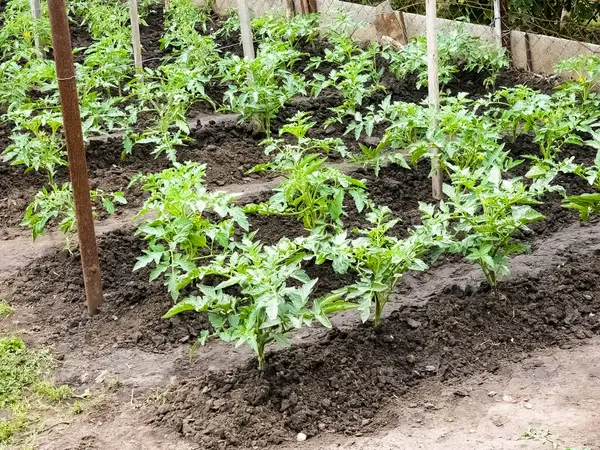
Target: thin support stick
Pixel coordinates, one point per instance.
(504, 27)
(434, 91)
(67, 86)
(135, 34)
(498, 22)
(246, 29)
(36, 13)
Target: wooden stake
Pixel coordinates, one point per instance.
(498, 22)
(434, 91)
(504, 27)
(135, 34)
(246, 29)
(291, 9)
(36, 13)
(67, 86)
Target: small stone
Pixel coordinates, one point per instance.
(492, 394)
(184, 339)
(498, 421)
(285, 405)
(365, 422)
(460, 393)
(528, 406)
(508, 399)
(186, 428)
(413, 405)
(217, 404)
(115, 318)
(429, 406)
(430, 368)
(321, 426)
(301, 437)
(101, 377)
(413, 323)
(411, 359)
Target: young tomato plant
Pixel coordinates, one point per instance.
(457, 50)
(286, 151)
(186, 225)
(486, 211)
(589, 203)
(357, 79)
(407, 124)
(273, 296)
(382, 260)
(313, 192)
(37, 150)
(261, 87)
(585, 70)
(57, 203)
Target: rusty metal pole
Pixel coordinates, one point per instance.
(67, 86)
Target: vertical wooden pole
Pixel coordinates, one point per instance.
(65, 71)
(36, 13)
(291, 9)
(498, 22)
(246, 29)
(135, 34)
(434, 91)
(504, 27)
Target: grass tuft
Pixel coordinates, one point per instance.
(22, 382)
(5, 309)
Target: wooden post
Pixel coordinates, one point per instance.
(434, 91)
(36, 13)
(291, 9)
(67, 86)
(528, 53)
(135, 34)
(498, 22)
(505, 27)
(246, 29)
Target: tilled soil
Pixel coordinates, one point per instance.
(150, 34)
(133, 309)
(343, 382)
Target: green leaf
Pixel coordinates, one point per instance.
(187, 304)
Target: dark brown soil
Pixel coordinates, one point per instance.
(150, 33)
(557, 217)
(80, 38)
(342, 382)
(16, 188)
(133, 306)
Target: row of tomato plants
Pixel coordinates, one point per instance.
(113, 96)
(201, 244)
(255, 293)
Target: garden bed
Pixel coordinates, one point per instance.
(446, 323)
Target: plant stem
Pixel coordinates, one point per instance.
(378, 310)
(261, 356)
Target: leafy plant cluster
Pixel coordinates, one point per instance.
(457, 50)
(28, 90)
(169, 91)
(200, 242)
(255, 294)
